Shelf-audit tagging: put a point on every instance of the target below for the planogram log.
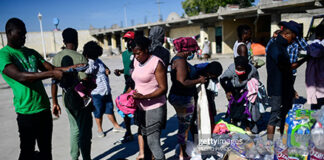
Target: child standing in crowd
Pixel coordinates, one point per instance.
(101, 95)
(234, 81)
(243, 45)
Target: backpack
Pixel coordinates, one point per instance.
(263, 98)
(126, 104)
(239, 109)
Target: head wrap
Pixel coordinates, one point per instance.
(157, 37)
(184, 44)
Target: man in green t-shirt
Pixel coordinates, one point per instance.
(127, 57)
(19, 67)
(80, 118)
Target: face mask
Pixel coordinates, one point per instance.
(239, 73)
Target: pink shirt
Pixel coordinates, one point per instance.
(146, 83)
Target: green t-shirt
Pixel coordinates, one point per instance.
(71, 57)
(29, 98)
(127, 59)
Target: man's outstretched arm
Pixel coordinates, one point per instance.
(27, 77)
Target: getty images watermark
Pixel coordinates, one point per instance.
(215, 144)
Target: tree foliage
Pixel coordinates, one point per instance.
(194, 7)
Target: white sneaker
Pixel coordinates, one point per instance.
(101, 134)
(120, 130)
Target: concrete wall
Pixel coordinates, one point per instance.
(303, 18)
(146, 32)
(212, 39)
(185, 31)
(53, 40)
(275, 19)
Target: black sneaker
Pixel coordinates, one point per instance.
(127, 139)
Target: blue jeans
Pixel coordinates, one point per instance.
(102, 104)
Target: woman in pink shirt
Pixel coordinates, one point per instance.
(150, 79)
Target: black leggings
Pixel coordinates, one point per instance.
(151, 123)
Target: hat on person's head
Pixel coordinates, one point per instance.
(291, 25)
(129, 34)
(185, 44)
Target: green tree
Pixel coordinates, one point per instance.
(194, 7)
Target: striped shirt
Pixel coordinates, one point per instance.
(294, 48)
(98, 69)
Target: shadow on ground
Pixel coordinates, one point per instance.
(131, 148)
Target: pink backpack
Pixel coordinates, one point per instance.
(125, 103)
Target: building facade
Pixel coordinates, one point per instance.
(220, 27)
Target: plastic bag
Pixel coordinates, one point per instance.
(315, 153)
(204, 127)
(281, 150)
(297, 127)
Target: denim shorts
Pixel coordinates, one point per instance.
(275, 118)
(102, 104)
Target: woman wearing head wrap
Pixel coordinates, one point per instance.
(183, 88)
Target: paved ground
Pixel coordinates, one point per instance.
(105, 148)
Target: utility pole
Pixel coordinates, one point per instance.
(158, 3)
(125, 15)
(132, 22)
(2, 43)
(41, 29)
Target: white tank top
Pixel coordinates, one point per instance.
(235, 48)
